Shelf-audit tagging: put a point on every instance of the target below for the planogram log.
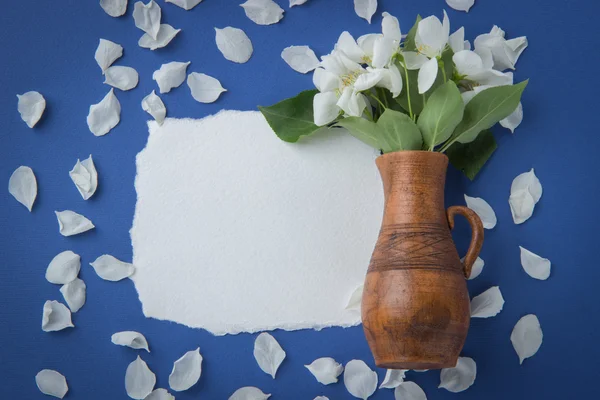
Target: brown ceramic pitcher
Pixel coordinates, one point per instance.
(415, 305)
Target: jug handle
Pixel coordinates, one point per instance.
(476, 238)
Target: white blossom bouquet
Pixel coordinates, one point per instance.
(424, 91)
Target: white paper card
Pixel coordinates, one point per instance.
(264, 234)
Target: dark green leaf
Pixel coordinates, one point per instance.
(409, 41)
(470, 157)
(442, 113)
(410, 87)
(399, 131)
(361, 129)
(486, 109)
(293, 117)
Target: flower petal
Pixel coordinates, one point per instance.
(63, 268)
(535, 266)
(85, 177)
(487, 304)
(525, 192)
(301, 58)
(391, 80)
(70, 223)
(355, 299)
(249, 393)
(414, 60)
(365, 8)
(459, 378)
(110, 268)
(74, 294)
(51, 383)
(461, 5)
(326, 370)
(513, 121)
(139, 380)
(370, 79)
(204, 88)
(166, 33)
(160, 394)
(325, 109)
(527, 337)
(22, 185)
(186, 371)
(430, 38)
(147, 17)
(132, 339)
(114, 8)
(349, 47)
(359, 379)
(105, 115)
(55, 317)
(457, 39)
(409, 391)
(367, 42)
(390, 27)
(170, 75)
(124, 78)
(383, 50)
(427, 75)
(154, 106)
(483, 210)
(31, 106)
(234, 44)
(477, 268)
(467, 62)
(263, 12)
(351, 102)
(326, 81)
(268, 353)
(393, 378)
(296, 2)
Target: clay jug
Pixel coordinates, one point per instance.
(415, 305)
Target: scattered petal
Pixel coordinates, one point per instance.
(249, 393)
(535, 266)
(427, 75)
(74, 294)
(527, 337)
(166, 33)
(31, 106)
(105, 115)
(525, 192)
(170, 75)
(359, 379)
(70, 223)
(409, 391)
(461, 5)
(234, 44)
(477, 268)
(301, 58)
(185, 4)
(321, 398)
(263, 12)
(326, 370)
(297, 3)
(186, 371)
(365, 8)
(114, 8)
(160, 394)
(204, 88)
(107, 53)
(51, 383)
(268, 353)
(154, 106)
(110, 268)
(355, 299)
(63, 268)
(513, 121)
(393, 378)
(483, 210)
(132, 339)
(124, 78)
(139, 380)
(85, 177)
(22, 185)
(459, 378)
(147, 17)
(487, 304)
(55, 317)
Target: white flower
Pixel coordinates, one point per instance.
(479, 73)
(504, 53)
(431, 39)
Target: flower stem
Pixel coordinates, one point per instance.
(443, 71)
(376, 98)
(408, 93)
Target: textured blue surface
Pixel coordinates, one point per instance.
(49, 46)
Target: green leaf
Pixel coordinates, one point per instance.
(409, 41)
(399, 132)
(293, 117)
(410, 87)
(486, 109)
(440, 116)
(471, 157)
(361, 129)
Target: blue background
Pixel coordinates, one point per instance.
(49, 46)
